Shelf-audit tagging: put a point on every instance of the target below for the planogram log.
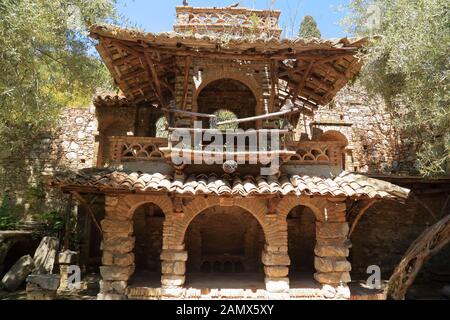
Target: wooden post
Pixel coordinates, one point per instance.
(67, 223)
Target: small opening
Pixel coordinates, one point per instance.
(161, 125)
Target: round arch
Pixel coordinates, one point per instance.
(248, 81)
(163, 202)
(198, 205)
(333, 135)
(316, 205)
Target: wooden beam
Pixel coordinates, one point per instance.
(273, 85)
(155, 79)
(84, 203)
(262, 117)
(302, 83)
(189, 113)
(187, 68)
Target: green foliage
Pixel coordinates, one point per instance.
(47, 63)
(7, 220)
(161, 125)
(225, 115)
(408, 65)
(309, 29)
(53, 222)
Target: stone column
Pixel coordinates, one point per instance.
(173, 269)
(117, 245)
(276, 259)
(332, 250)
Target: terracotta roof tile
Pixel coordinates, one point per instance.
(346, 184)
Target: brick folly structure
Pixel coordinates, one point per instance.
(200, 229)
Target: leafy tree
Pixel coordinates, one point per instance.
(408, 65)
(47, 63)
(309, 29)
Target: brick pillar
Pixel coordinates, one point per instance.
(118, 244)
(173, 269)
(276, 259)
(332, 250)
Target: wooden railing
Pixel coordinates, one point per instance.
(231, 20)
(124, 149)
(316, 152)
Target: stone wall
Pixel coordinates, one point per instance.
(387, 230)
(68, 146)
(374, 144)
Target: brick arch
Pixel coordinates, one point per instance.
(199, 205)
(163, 202)
(249, 81)
(316, 205)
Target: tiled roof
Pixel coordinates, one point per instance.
(346, 184)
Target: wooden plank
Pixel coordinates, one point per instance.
(262, 117)
(189, 113)
(273, 84)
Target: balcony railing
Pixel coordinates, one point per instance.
(234, 20)
(316, 152)
(128, 149)
(125, 149)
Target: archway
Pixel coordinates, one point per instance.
(301, 242)
(224, 247)
(229, 94)
(148, 222)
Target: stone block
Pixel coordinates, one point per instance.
(18, 273)
(45, 281)
(111, 296)
(172, 280)
(277, 285)
(332, 264)
(333, 278)
(119, 287)
(68, 257)
(276, 271)
(113, 226)
(176, 268)
(123, 259)
(45, 255)
(170, 255)
(331, 251)
(114, 273)
(119, 245)
(275, 259)
(330, 230)
(35, 292)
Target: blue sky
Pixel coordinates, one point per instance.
(159, 15)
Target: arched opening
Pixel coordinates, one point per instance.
(160, 127)
(224, 247)
(228, 94)
(148, 222)
(301, 223)
(336, 136)
(333, 135)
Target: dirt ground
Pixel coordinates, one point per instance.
(431, 290)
